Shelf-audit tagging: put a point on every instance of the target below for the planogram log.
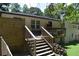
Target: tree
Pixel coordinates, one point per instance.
(25, 9)
(4, 6)
(76, 11)
(48, 11)
(35, 11)
(69, 12)
(54, 10)
(15, 7)
(72, 12)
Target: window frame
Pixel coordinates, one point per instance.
(35, 24)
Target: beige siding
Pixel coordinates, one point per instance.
(43, 22)
(71, 30)
(0, 47)
(13, 32)
(56, 24)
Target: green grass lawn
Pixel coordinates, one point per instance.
(72, 49)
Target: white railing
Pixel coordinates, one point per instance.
(5, 51)
(30, 35)
(47, 37)
(47, 32)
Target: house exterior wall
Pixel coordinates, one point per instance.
(72, 32)
(12, 31)
(43, 22)
(0, 47)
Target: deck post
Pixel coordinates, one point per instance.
(35, 47)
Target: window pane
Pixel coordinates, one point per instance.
(38, 22)
(32, 21)
(33, 26)
(38, 26)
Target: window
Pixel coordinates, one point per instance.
(78, 27)
(72, 34)
(75, 36)
(49, 23)
(74, 26)
(35, 24)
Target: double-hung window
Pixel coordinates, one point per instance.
(35, 24)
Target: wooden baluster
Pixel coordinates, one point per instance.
(35, 47)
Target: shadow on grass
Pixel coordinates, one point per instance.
(70, 43)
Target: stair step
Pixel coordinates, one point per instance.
(37, 41)
(42, 50)
(40, 44)
(52, 54)
(32, 39)
(40, 41)
(41, 47)
(57, 54)
(45, 53)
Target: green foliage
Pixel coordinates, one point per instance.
(49, 10)
(4, 6)
(15, 7)
(25, 9)
(54, 10)
(69, 12)
(35, 11)
(72, 12)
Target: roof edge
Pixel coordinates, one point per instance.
(29, 15)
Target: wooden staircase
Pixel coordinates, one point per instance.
(41, 46)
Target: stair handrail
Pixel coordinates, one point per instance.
(7, 47)
(48, 43)
(33, 37)
(30, 32)
(47, 32)
(48, 35)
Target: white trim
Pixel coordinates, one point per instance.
(2, 40)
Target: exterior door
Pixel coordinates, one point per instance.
(49, 25)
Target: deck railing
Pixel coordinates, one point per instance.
(47, 37)
(31, 39)
(5, 51)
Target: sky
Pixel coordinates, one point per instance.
(42, 6)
